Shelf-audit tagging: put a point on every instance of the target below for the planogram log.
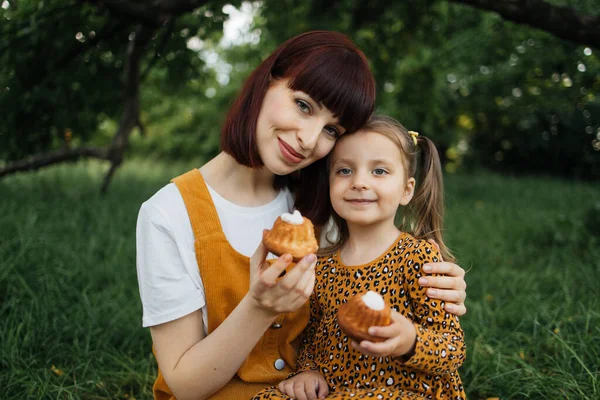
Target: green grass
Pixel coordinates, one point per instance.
(70, 315)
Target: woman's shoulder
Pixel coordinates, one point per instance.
(165, 205)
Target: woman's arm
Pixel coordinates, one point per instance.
(450, 288)
(195, 365)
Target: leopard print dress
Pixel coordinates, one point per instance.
(431, 371)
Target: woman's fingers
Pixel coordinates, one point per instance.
(444, 268)
(293, 279)
(269, 275)
(259, 255)
(443, 282)
(290, 292)
(450, 296)
(450, 288)
(456, 309)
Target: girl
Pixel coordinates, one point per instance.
(372, 174)
(223, 326)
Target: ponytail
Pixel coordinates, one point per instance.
(424, 215)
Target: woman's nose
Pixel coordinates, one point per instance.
(308, 136)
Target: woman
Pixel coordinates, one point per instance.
(223, 324)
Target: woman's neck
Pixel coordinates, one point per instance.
(367, 242)
(244, 186)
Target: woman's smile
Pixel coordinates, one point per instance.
(288, 152)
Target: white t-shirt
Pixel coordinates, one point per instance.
(168, 276)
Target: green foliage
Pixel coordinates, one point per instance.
(70, 313)
(46, 87)
(488, 92)
(61, 70)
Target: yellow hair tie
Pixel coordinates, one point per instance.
(414, 135)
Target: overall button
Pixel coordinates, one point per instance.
(279, 364)
(275, 325)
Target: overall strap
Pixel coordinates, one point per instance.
(198, 202)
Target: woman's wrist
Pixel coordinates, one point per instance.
(257, 310)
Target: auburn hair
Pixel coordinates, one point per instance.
(329, 68)
(423, 217)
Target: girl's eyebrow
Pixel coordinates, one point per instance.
(381, 161)
(341, 160)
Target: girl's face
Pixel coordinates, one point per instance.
(368, 179)
(293, 130)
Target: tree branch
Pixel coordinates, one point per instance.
(160, 48)
(562, 22)
(151, 14)
(131, 113)
(41, 160)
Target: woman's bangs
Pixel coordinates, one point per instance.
(340, 83)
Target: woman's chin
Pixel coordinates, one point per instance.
(281, 168)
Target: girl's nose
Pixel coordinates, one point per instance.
(359, 182)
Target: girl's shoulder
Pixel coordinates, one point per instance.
(407, 243)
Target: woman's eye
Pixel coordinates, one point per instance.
(303, 106)
(379, 171)
(332, 131)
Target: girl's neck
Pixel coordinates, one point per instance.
(244, 186)
(367, 243)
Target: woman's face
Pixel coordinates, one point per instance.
(293, 130)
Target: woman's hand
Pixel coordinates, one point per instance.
(400, 336)
(307, 385)
(450, 288)
(283, 295)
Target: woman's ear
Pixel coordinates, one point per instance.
(409, 191)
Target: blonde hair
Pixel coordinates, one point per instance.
(423, 217)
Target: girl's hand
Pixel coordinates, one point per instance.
(280, 295)
(307, 385)
(450, 288)
(401, 337)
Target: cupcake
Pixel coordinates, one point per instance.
(361, 312)
(291, 234)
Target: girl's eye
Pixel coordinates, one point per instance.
(303, 106)
(332, 131)
(379, 171)
(344, 171)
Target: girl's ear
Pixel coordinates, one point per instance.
(409, 191)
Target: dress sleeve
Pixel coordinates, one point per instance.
(440, 348)
(306, 358)
(167, 290)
